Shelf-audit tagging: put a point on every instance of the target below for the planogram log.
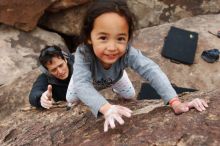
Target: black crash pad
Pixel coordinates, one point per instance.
(180, 45)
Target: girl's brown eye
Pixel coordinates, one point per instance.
(102, 38)
(121, 39)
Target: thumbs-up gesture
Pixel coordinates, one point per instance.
(46, 98)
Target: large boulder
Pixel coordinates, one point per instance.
(23, 14)
(64, 4)
(26, 14)
(149, 13)
(150, 124)
(155, 12)
(15, 94)
(67, 22)
(20, 50)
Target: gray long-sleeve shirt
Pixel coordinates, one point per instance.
(89, 76)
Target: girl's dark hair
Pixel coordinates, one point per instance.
(48, 52)
(99, 7)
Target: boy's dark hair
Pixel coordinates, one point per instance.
(48, 52)
(99, 7)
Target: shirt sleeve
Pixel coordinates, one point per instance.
(38, 88)
(152, 73)
(81, 84)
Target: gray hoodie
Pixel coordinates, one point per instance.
(89, 76)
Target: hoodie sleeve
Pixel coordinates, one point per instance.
(39, 87)
(81, 84)
(152, 73)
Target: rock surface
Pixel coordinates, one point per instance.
(155, 12)
(201, 75)
(23, 14)
(15, 95)
(20, 50)
(67, 21)
(64, 4)
(151, 123)
(149, 13)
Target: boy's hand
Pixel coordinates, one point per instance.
(115, 113)
(46, 98)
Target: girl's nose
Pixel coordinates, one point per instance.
(111, 46)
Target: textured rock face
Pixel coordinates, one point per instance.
(151, 122)
(67, 22)
(15, 95)
(147, 126)
(154, 12)
(20, 50)
(23, 14)
(26, 14)
(149, 13)
(64, 4)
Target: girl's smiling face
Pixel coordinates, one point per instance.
(109, 38)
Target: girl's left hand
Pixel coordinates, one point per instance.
(197, 103)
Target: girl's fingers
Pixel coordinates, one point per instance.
(119, 119)
(112, 123)
(106, 126)
(124, 111)
(122, 108)
(201, 106)
(197, 105)
(205, 103)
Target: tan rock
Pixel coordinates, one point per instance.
(23, 14)
(20, 50)
(149, 13)
(15, 95)
(64, 4)
(150, 124)
(67, 22)
(155, 12)
(158, 126)
(201, 75)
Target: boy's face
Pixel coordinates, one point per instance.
(58, 68)
(109, 38)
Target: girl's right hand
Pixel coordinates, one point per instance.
(114, 113)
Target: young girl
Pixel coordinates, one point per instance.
(101, 60)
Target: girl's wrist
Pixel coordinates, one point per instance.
(105, 108)
(174, 101)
